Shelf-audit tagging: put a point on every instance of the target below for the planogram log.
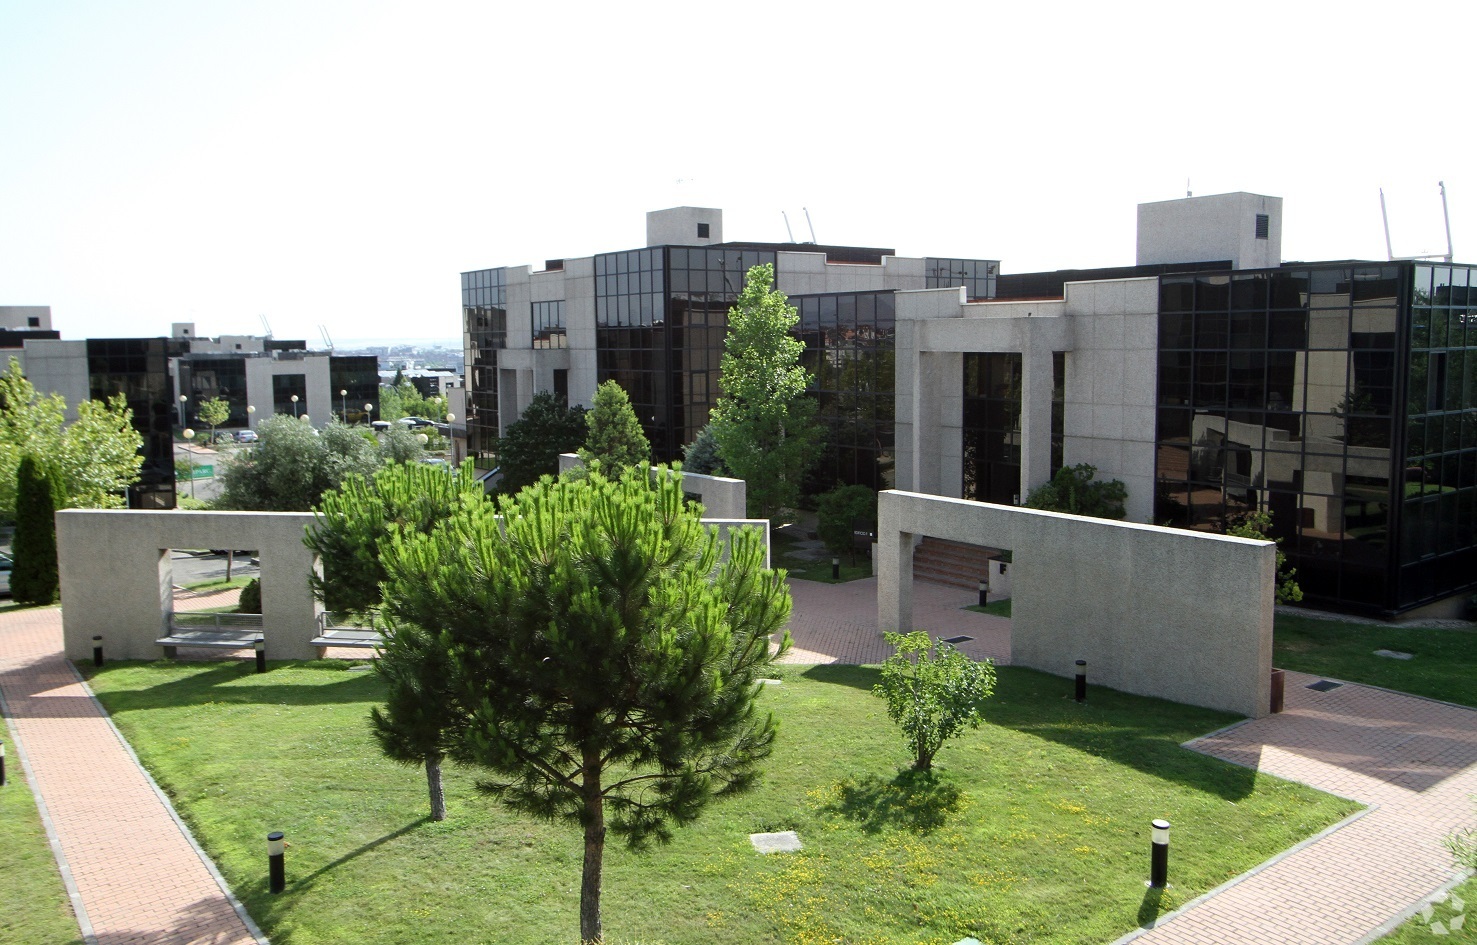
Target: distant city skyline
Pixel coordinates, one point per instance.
(339, 163)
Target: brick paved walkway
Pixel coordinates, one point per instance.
(139, 877)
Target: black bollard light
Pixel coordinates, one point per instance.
(261, 654)
(835, 568)
(2, 764)
(1159, 855)
(1082, 680)
(97, 651)
(276, 866)
(984, 591)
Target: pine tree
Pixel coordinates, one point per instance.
(764, 421)
(615, 437)
(420, 720)
(602, 651)
(34, 578)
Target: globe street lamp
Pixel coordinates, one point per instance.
(250, 410)
(190, 457)
(182, 401)
(343, 405)
(293, 398)
(368, 412)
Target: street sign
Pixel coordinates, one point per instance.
(203, 472)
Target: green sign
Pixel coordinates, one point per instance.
(202, 472)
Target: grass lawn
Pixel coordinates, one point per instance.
(1035, 828)
(1419, 929)
(1443, 667)
(996, 608)
(218, 584)
(783, 553)
(33, 902)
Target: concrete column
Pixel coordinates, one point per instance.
(894, 567)
(1035, 417)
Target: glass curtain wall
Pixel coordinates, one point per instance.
(661, 315)
(485, 321)
(205, 377)
(976, 275)
(1438, 494)
(992, 427)
(548, 325)
(138, 368)
(851, 353)
(1276, 394)
(359, 376)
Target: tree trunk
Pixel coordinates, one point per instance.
(590, 930)
(230, 560)
(433, 783)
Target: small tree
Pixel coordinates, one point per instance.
(1258, 525)
(33, 579)
(837, 513)
(701, 455)
(250, 601)
(213, 413)
(605, 652)
(292, 465)
(400, 444)
(532, 445)
(1073, 490)
(932, 698)
(615, 437)
(421, 718)
(764, 421)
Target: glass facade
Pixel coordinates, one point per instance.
(548, 325)
(850, 350)
(1340, 399)
(286, 387)
(976, 275)
(485, 322)
(208, 376)
(358, 375)
(661, 315)
(138, 368)
(992, 427)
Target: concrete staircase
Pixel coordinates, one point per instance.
(950, 562)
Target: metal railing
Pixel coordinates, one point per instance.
(198, 621)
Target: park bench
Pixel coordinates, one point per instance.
(332, 632)
(216, 631)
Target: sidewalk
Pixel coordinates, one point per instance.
(135, 875)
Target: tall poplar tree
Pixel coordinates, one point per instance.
(603, 653)
(764, 421)
(34, 578)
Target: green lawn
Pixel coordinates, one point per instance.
(33, 902)
(218, 584)
(1420, 930)
(1034, 830)
(1443, 667)
(783, 553)
(996, 608)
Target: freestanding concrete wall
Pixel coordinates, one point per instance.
(1164, 612)
(116, 576)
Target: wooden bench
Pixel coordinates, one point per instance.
(222, 639)
(356, 639)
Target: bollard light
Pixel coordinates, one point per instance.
(276, 866)
(835, 568)
(97, 651)
(984, 591)
(2, 764)
(1159, 854)
(1082, 680)
(261, 654)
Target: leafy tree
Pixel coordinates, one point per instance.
(354, 522)
(615, 438)
(400, 444)
(764, 421)
(402, 399)
(604, 653)
(532, 445)
(34, 579)
(420, 720)
(213, 413)
(1258, 525)
(94, 459)
(1074, 490)
(292, 465)
(838, 511)
(932, 698)
(701, 455)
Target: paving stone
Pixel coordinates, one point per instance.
(1394, 655)
(787, 841)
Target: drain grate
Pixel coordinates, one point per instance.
(955, 641)
(1324, 685)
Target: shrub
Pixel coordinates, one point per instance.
(837, 514)
(932, 698)
(1074, 491)
(251, 598)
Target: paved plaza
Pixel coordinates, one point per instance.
(137, 877)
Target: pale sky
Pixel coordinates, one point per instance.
(339, 162)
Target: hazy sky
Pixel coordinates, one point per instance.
(339, 163)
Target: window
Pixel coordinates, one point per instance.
(702, 231)
(33, 322)
(1263, 225)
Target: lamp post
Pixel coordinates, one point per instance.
(293, 398)
(190, 457)
(250, 415)
(343, 405)
(183, 399)
(306, 419)
(368, 413)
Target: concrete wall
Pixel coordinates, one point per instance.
(722, 498)
(1176, 614)
(116, 576)
(54, 366)
(18, 317)
(678, 226)
(1202, 229)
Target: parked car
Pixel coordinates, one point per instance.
(5, 565)
(245, 436)
(380, 426)
(415, 423)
